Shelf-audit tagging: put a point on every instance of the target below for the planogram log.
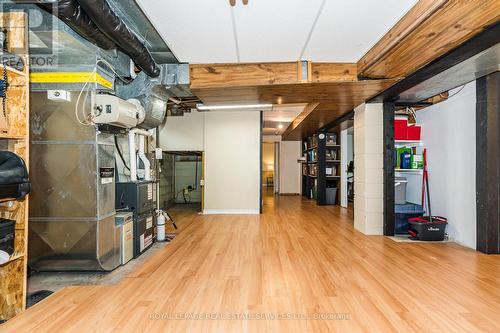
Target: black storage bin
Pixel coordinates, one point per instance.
(7, 232)
(14, 180)
(403, 213)
(421, 228)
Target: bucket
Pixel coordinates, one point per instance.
(421, 228)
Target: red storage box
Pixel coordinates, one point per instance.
(413, 132)
(400, 129)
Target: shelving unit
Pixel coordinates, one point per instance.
(321, 168)
(15, 139)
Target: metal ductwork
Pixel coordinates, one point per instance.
(71, 13)
(153, 93)
(112, 26)
(96, 21)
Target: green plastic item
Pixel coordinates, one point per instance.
(417, 161)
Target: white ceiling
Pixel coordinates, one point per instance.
(211, 31)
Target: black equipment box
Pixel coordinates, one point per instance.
(139, 197)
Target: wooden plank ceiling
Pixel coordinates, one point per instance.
(430, 29)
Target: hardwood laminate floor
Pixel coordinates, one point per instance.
(296, 268)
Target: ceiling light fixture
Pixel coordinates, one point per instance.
(203, 107)
(233, 2)
(280, 126)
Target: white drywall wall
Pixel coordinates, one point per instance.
(290, 169)
(183, 133)
(449, 134)
(232, 162)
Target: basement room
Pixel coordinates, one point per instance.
(249, 166)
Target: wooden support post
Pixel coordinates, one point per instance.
(389, 183)
(488, 163)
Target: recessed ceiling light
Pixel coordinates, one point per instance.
(280, 126)
(203, 107)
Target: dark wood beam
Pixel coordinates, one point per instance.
(389, 163)
(488, 163)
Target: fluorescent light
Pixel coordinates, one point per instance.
(203, 107)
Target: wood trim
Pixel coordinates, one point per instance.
(241, 75)
(412, 19)
(333, 72)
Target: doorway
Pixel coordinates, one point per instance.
(181, 182)
(268, 171)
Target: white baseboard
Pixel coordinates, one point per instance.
(231, 212)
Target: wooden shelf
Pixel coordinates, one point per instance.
(16, 139)
(332, 161)
(418, 171)
(311, 148)
(334, 146)
(408, 143)
(6, 136)
(332, 176)
(12, 258)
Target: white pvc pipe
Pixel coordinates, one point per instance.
(133, 156)
(144, 159)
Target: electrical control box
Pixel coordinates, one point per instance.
(112, 110)
(143, 231)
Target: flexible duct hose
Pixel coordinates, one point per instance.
(115, 29)
(71, 13)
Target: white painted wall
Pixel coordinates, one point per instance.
(290, 169)
(449, 134)
(232, 162)
(183, 133)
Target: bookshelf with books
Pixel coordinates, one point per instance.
(321, 168)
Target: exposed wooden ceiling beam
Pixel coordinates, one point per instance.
(251, 74)
(431, 29)
(413, 18)
(242, 75)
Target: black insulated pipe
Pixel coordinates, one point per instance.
(115, 29)
(71, 13)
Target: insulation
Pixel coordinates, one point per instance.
(114, 28)
(71, 13)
